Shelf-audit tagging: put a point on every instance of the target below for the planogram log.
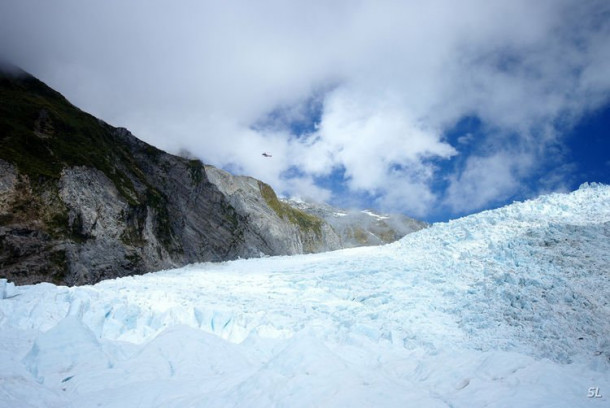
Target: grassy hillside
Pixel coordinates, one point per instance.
(41, 133)
(305, 221)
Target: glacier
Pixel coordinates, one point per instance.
(505, 308)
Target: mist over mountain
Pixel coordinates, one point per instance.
(361, 227)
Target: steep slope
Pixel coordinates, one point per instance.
(272, 219)
(81, 201)
(361, 228)
(503, 308)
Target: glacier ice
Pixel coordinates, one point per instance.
(508, 307)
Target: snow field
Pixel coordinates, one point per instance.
(503, 308)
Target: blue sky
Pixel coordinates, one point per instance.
(432, 109)
(584, 156)
(589, 148)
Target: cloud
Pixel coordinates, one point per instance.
(361, 91)
(465, 139)
(485, 180)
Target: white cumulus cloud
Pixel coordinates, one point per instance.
(389, 78)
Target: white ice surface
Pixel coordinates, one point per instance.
(507, 308)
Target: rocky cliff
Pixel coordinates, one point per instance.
(82, 201)
(272, 220)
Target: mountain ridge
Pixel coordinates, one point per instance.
(82, 201)
(360, 227)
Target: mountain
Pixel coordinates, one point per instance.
(360, 228)
(299, 233)
(505, 308)
(82, 201)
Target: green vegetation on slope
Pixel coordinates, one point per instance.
(305, 221)
(41, 133)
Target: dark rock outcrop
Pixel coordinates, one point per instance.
(82, 201)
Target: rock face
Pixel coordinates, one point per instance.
(267, 216)
(81, 228)
(82, 201)
(361, 228)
